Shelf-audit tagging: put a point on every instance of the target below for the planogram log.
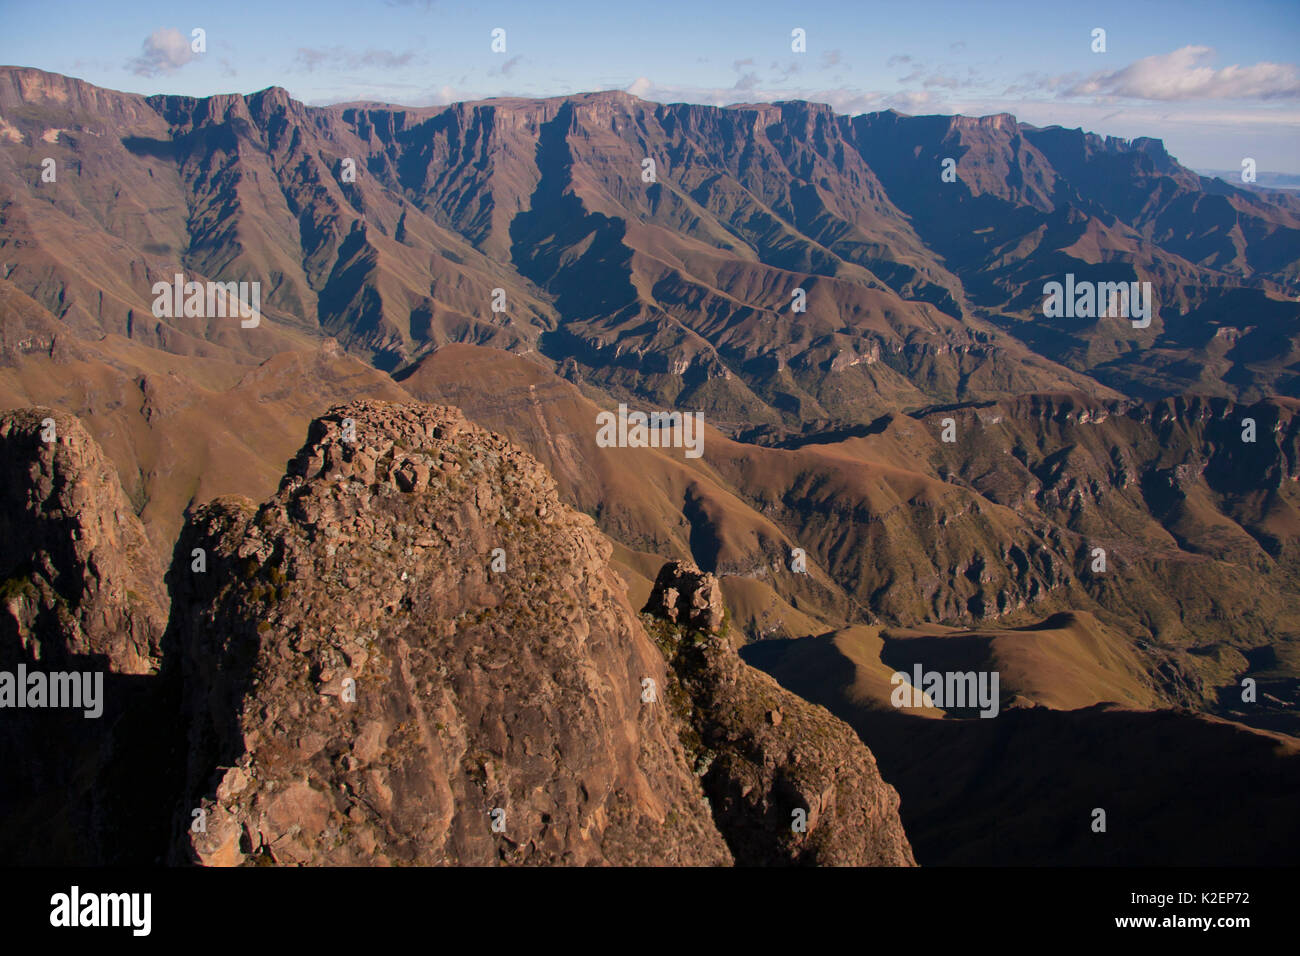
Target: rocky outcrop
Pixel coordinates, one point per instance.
(685, 596)
(788, 782)
(415, 654)
(79, 577)
(81, 605)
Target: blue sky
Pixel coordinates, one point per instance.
(1217, 81)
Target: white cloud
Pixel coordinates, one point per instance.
(1037, 83)
(913, 101)
(1185, 74)
(783, 72)
(945, 81)
(338, 57)
(165, 50)
(443, 96)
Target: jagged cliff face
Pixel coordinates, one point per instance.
(788, 782)
(82, 596)
(379, 694)
(80, 579)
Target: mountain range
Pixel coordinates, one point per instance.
(855, 304)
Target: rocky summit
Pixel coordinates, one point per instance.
(368, 689)
(415, 653)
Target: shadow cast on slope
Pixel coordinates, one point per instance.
(1021, 788)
